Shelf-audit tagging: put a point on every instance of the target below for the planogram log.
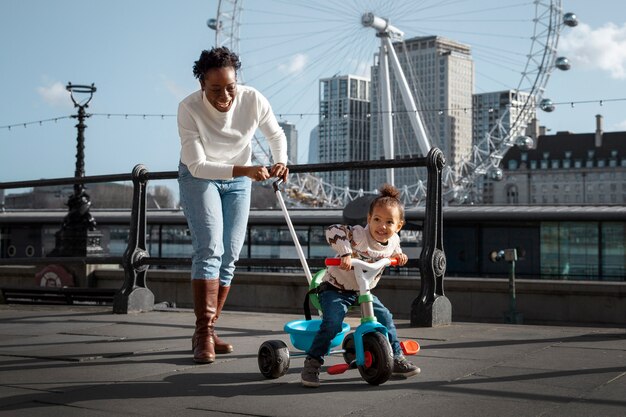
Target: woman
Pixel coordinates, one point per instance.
(216, 125)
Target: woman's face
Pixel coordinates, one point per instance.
(220, 87)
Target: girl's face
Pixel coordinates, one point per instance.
(220, 87)
(384, 222)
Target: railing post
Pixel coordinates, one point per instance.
(134, 296)
(431, 307)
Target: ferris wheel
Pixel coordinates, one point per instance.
(288, 46)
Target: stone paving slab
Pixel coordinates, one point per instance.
(85, 361)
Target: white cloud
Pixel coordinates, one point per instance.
(295, 65)
(621, 126)
(55, 95)
(178, 91)
(603, 48)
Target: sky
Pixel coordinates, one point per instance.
(139, 55)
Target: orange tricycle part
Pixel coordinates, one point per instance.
(410, 347)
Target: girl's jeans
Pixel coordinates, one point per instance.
(217, 215)
(335, 306)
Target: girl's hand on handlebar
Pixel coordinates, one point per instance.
(346, 263)
(401, 258)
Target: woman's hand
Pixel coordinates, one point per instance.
(256, 173)
(401, 258)
(279, 170)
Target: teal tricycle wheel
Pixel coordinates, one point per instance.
(379, 370)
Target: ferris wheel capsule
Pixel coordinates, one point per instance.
(214, 24)
(524, 142)
(547, 105)
(496, 174)
(562, 63)
(570, 19)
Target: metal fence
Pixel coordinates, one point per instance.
(430, 307)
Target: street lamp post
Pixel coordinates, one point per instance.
(78, 235)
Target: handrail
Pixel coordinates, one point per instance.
(431, 307)
(168, 175)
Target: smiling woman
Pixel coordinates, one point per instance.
(216, 125)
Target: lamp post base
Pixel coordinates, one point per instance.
(78, 241)
(437, 313)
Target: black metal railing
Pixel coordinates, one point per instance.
(429, 308)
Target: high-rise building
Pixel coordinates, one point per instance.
(292, 141)
(440, 73)
(494, 113)
(314, 146)
(344, 133)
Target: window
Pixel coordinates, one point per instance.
(570, 249)
(512, 195)
(613, 254)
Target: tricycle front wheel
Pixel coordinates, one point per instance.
(273, 359)
(379, 369)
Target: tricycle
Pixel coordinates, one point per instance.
(367, 348)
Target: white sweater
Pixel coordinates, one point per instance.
(212, 142)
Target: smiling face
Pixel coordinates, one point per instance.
(219, 85)
(384, 221)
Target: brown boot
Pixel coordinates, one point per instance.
(220, 345)
(205, 306)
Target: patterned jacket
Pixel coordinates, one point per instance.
(357, 241)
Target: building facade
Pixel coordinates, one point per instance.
(494, 113)
(440, 73)
(343, 129)
(292, 141)
(564, 169)
(314, 146)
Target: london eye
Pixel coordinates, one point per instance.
(288, 46)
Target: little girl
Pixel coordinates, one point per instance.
(339, 289)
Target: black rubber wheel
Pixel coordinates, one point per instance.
(273, 358)
(347, 345)
(381, 367)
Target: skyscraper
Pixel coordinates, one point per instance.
(292, 141)
(440, 73)
(494, 113)
(314, 146)
(344, 133)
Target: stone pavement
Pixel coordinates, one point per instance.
(84, 361)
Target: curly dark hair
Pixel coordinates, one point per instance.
(389, 196)
(220, 57)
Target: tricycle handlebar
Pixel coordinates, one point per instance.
(337, 261)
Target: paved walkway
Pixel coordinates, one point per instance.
(85, 361)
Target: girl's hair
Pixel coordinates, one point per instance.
(220, 57)
(389, 196)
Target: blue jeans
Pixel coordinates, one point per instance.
(335, 306)
(217, 215)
